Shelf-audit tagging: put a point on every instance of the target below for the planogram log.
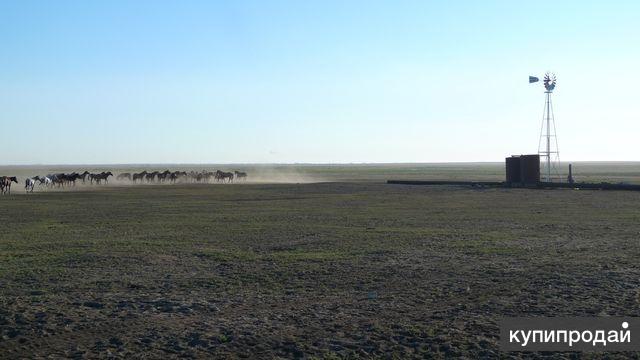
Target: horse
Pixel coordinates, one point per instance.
(49, 180)
(102, 176)
(106, 176)
(58, 179)
(163, 175)
(71, 178)
(5, 184)
(30, 183)
(53, 178)
(241, 175)
(222, 176)
(124, 176)
(150, 177)
(176, 175)
(84, 175)
(139, 176)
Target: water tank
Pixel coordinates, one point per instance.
(523, 169)
(530, 169)
(513, 169)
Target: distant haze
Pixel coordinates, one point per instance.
(314, 81)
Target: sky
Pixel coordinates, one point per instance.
(114, 82)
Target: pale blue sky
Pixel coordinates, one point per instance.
(314, 81)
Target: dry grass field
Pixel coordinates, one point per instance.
(348, 269)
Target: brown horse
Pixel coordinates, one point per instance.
(5, 184)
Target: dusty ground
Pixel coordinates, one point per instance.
(309, 270)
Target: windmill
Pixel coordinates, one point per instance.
(548, 143)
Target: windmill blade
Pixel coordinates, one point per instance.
(533, 79)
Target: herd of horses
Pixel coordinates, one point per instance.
(157, 177)
(173, 177)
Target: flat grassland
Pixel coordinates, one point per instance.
(340, 269)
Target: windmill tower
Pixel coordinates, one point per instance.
(548, 143)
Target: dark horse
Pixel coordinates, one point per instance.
(241, 175)
(102, 176)
(139, 176)
(84, 175)
(163, 175)
(5, 184)
(71, 178)
(150, 177)
(223, 176)
(174, 176)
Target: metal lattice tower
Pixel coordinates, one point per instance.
(548, 143)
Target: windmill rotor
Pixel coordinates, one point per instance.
(549, 81)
